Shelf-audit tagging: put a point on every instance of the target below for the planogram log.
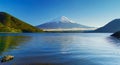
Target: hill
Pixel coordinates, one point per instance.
(9, 23)
(111, 27)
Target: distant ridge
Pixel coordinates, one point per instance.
(8, 23)
(111, 27)
(61, 23)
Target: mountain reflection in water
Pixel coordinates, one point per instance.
(60, 49)
(8, 43)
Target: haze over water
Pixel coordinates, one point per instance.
(60, 49)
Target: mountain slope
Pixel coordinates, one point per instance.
(111, 27)
(61, 22)
(9, 23)
(116, 34)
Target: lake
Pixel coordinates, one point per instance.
(60, 48)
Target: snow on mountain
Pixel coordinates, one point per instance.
(61, 23)
(62, 19)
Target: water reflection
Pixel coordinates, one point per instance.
(61, 49)
(11, 42)
(114, 41)
(54, 50)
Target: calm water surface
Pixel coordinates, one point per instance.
(60, 49)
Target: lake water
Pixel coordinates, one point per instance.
(60, 49)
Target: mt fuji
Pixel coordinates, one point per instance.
(61, 23)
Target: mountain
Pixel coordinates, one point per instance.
(111, 27)
(116, 34)
(9, 23)
(61, 23)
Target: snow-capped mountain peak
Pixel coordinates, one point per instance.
(62, 19)
(61, 23)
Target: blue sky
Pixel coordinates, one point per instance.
(88, 12)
